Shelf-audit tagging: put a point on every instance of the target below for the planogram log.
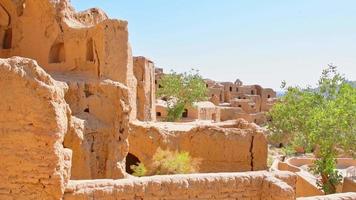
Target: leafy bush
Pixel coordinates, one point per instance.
(168, 162)
(139, 170)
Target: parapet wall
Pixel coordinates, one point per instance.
(241, 147)
(340, 196)
(253, 185)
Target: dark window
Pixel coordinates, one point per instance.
(237, 89)
(230, 89)
(252, 92)
(240, 106)
(57, 53)
(239, 97)
(268, 96)
(90, 50)
(131, 160)
(7, 41)
(206, 85)
(158, 114)
(86, 110)
(155, 81)
(185, 113)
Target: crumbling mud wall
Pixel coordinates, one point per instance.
(252, 185)
(241, 147)
(62, 40)
(99, 127)
(33, 121)
(146, 97)
(90, 54)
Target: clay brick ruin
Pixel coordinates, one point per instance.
(229, 101)
(76, 107)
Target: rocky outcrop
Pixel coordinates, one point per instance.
(252, 185)
(33, 121)
(241, 147)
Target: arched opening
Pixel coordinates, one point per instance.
(90, 50)
(7, 40)
(158, 114)
(57, 53)
(131, 160)
(5, 30)
(87, 110)
(268, 96)
(185, 113)
(252, 92)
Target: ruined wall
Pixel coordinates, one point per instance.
(146, 96)
(86, 43)
(241, 148)
(340, 196)
(33, 122)
(90, 54)
(253, 185)
(99, 127)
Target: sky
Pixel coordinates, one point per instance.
(259, 42)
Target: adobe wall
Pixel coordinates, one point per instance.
(99, 127)
(90, 54)
(252, 185)
(241, 147)
(339, 196)
(146, 97)
(33, 121)
(62, 40)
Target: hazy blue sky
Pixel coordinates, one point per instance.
(260, 42)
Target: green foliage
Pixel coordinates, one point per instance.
(325, 166)
(168, 162)
(322, 118)
(181, 91)
(288, 151)
(139, 170)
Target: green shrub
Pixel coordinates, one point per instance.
(139, 170)
(168, 162)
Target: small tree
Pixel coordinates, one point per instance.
(322, 119)
(181, 91)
